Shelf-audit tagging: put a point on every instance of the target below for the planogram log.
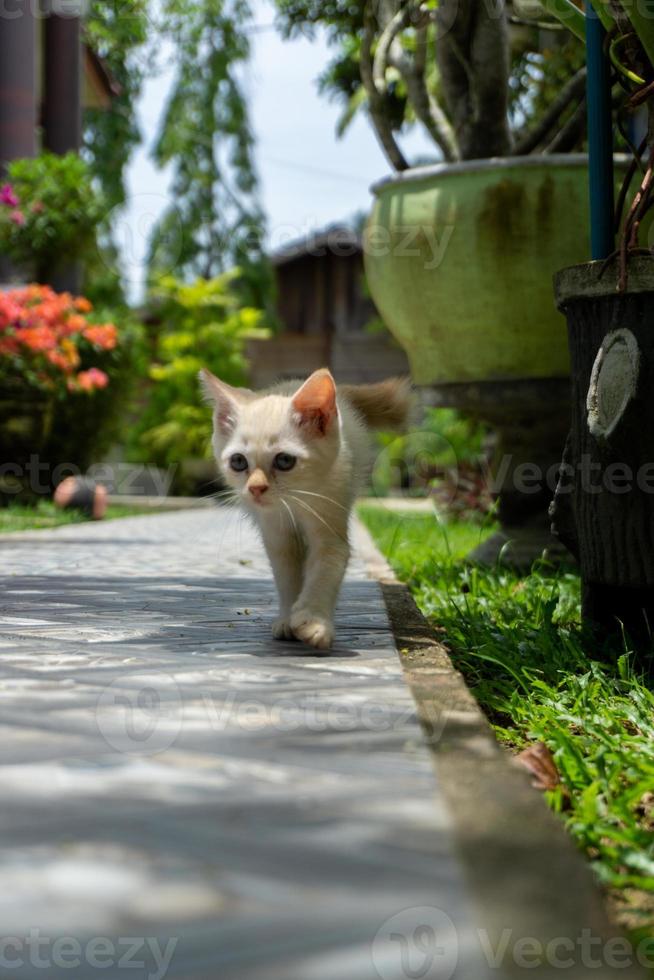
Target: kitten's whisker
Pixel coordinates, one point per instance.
(223, 495)
(294, 526)
(304, 504)
(311, 493)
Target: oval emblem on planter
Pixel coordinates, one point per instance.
(613, 382)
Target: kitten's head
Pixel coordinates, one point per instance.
(268, 445)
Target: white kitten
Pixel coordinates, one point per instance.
(296, 457)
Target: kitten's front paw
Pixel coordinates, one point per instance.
(312, 629)
(281, 629)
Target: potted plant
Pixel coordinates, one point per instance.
(459, 254)
(604, 503)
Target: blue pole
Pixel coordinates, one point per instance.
(600, 139)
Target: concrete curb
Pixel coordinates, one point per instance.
(526, 878)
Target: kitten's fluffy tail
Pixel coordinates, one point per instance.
(384, 405)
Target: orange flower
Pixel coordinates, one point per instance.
(102, 335)
(42, 329)
(92, 379)
(38, 338)
(60, 361)
(76, 323)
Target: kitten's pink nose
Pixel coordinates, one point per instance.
(257, 484)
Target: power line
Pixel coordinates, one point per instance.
(317, 171)
(259, 28)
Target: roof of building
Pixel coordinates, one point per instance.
(100, 87)
(337, 239)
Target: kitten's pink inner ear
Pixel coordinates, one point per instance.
(315, 402)
(224, 398)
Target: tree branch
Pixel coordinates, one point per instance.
(389, 51)
(570, 91)
(376, 107)
(571, 133)
(397, 23)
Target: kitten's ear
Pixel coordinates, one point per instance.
(315, 402)
(225, 398)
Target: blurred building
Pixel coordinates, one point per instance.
(47, 76)
(325, 315)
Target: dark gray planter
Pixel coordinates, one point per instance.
(604, 503)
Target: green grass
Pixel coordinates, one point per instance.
(518, 642)
(18, 517)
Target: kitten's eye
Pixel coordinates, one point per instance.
(238, 462)
(284, 461)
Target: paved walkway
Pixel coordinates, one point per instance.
(180, 791)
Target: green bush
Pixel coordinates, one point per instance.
(445, 442)
(49, 211)
(85, 427)
(201, 325)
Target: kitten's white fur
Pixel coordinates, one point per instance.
(302, 513)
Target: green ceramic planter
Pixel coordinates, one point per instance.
(460, 258)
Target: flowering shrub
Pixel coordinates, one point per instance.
(49, 209)
(14, 215)
(47, 340)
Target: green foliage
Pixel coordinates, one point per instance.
(215, 220)
(537, 77)
(117, 31)
(59, 211)
(84, 429)
(518, 642)
(340, 80)
(203, 325)
(101, 277)
(338, 17)
(536, 74)
(414, 461)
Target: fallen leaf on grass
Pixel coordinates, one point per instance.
(539, 761)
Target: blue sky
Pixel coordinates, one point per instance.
(308, 177)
